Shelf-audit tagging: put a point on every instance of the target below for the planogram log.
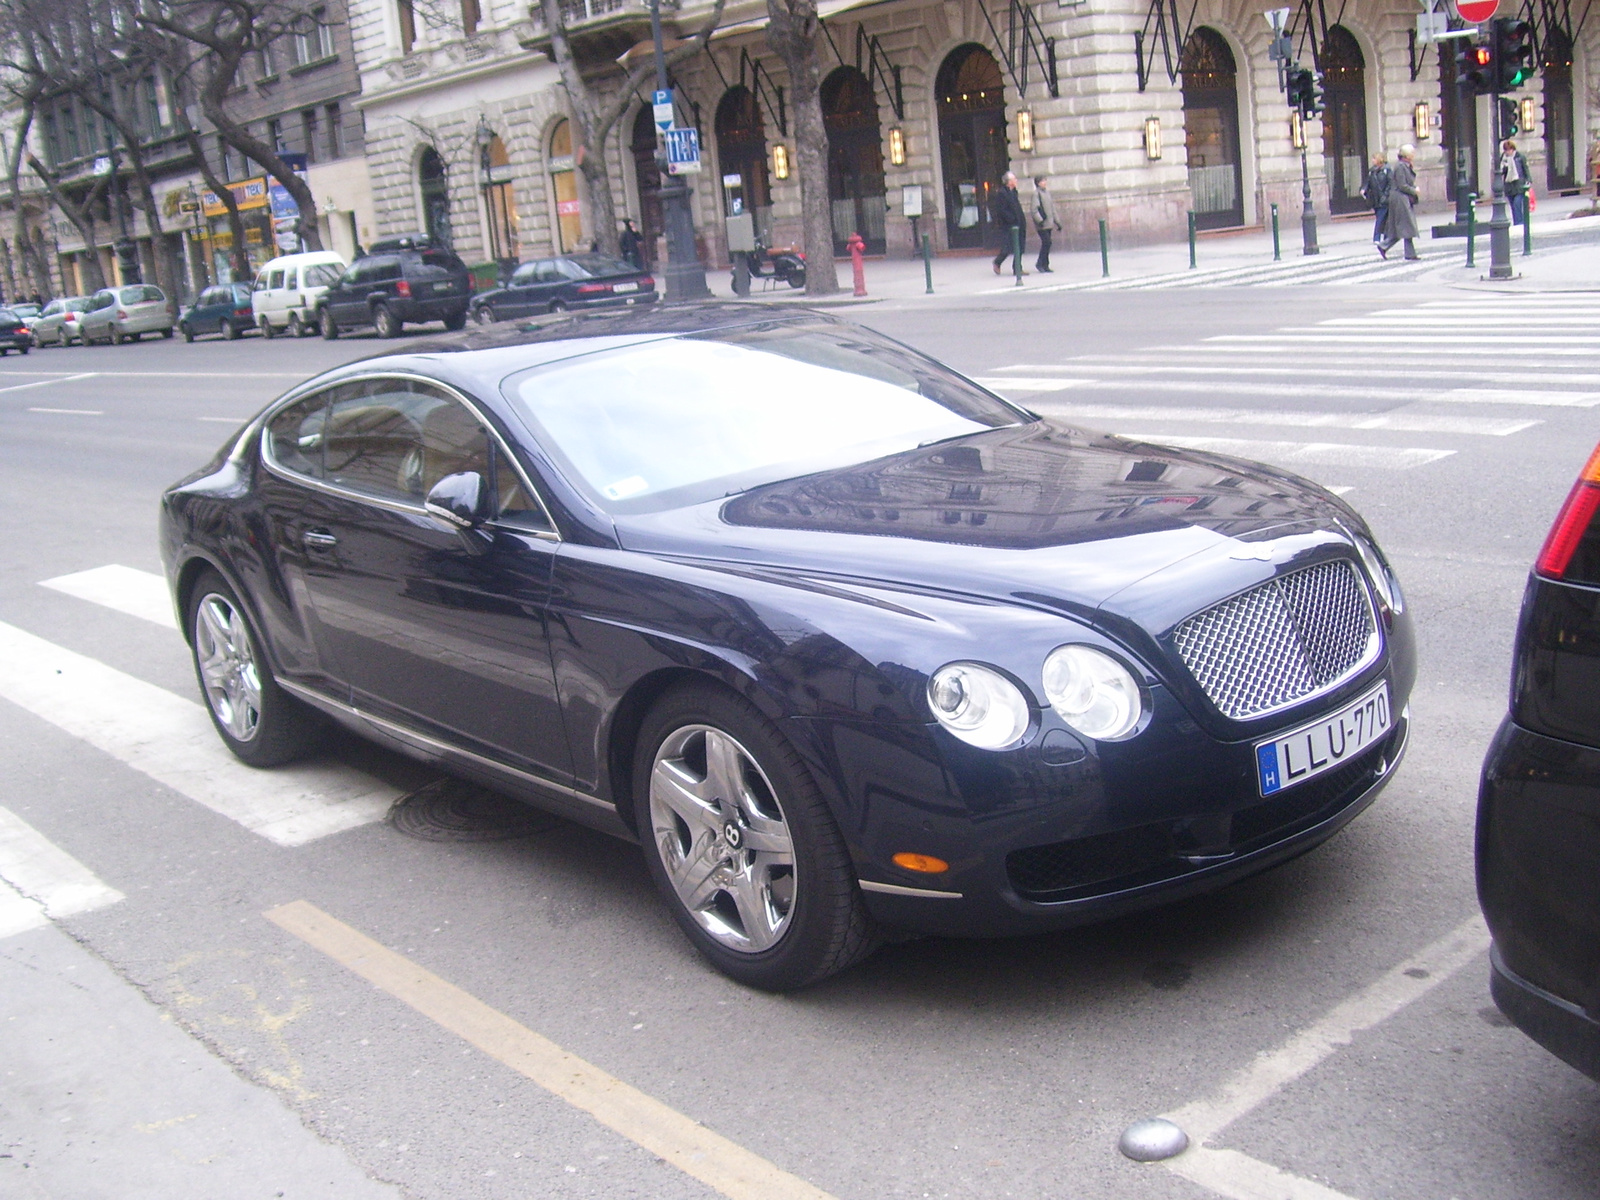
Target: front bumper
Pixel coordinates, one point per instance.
(1558, 1025)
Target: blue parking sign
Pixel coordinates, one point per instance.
(683, 151)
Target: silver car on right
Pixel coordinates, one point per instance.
(125, 313)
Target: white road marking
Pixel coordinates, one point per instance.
(137, 593)
(1301, 454)
(1516, 396)
(1022, 383)
(18, 914)
(17, 387)
(169, 374)
(44, 873)
(1240, 1177)
(71, 412)
(225, 420)
(171, 740)
(1400, 422)
(1155, 364)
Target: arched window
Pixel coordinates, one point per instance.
(742, 153)
(499, 200)
(1211, 130)
(1561, 164)
(434, 184)
(1344, 120)
(855, 159)
(564, 183)
(969, 94)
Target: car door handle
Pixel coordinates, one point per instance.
(319, 538)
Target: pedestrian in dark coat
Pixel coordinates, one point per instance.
(1402, 226)
(1007, 212)
(630, 244)
(1045, 221)
(1376, 193)
(1514, 174)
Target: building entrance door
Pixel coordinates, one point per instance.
(1344, 120)
(855, 159)
(1561, 166)
(972, 144)
(647, 178)
(1211, 130)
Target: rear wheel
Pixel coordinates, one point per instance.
(558, 306)
(24, 349)
(385, 322)
(230, 331)
(742, 845)
(117, 336)
(261, 723)
(188, 334)
(330, 327)
(267, 331)
(297, 327)
(167, 332)
(456, 321)
(485, 315)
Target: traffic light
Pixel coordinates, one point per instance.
(1482, 77)
(1513, 52)
(1304, 91)
(1294, 87)
(1509, 111)
(1314, 99)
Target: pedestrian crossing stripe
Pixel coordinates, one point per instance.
(42, 882)
(1295, 455)
(1395, 422)
(127, 590)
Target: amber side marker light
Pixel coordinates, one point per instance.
(1573, 522)
(926, 863)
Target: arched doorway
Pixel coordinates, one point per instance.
(499, 202)
(742, 155)
(855, 159)
(1561, 165)
(1211, 130)
(972, 143)
(433, 182)
(1460, 146)
(1344, 120)
(647, 179)
(564, 184)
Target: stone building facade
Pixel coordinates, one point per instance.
(1138, 111)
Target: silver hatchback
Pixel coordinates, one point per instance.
(124, 313)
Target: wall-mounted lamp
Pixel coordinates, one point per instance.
(897, 146)
(1529, 115)
(1422, 121)
(1152, 138)
(780, 161)
(1297, 130)
(1024, 130)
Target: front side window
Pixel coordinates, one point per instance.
(53, 307)
(681, 421)
(395, 439)
(275, 280)
(294, 435)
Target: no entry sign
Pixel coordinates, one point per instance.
(1476, 12)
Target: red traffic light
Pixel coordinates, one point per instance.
(1481, 56)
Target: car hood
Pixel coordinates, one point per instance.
(1042, 514)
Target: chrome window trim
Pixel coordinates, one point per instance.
(504, 454)
(405, 732)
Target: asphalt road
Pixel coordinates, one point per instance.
(1329, 1023)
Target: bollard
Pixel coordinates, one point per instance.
(1527, 225)
(927, 263)
(1191, 241)
(857, 267)
(1105, 251)
(1016, 252)
(1277, 251)
(1472, 227)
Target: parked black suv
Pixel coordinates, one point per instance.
(400, 280)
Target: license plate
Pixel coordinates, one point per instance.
(1323, 744)
(625, 287)
(443, 287)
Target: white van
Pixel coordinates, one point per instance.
(289, 289)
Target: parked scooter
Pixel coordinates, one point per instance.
(782, 264)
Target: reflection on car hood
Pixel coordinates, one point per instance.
(1041, 514)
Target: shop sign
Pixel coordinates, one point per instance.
(252, 193)
(567, 208)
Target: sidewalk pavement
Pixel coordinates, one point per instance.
(1566, 257)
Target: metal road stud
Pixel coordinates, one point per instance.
(1152, 1140)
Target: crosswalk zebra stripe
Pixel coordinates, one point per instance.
(1311, 335)
(1395, 422)
(171, 740)
(125, 589)
(1309, 350)
(39, 871)
(1301, 454)
(1386, 375)
(1021, 383)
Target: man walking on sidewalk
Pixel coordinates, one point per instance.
(1007, 210)
(1044, 220)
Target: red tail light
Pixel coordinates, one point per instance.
(1573, 524)
(589, 289)
(403, 288)
(648, 283)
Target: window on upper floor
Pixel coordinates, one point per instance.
(312, 40)
(308, 133)
(335, 130)
(407, 13)
(52, 138)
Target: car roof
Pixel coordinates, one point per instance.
(305, 256)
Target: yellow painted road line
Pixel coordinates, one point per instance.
(695, 1150)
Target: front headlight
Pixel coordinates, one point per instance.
(1382, 579)
(979, 705)
(1092, 692)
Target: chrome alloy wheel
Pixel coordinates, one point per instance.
(722, 838)
(228, 666)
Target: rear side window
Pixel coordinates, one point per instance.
(295, 435)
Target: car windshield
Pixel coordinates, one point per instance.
(26, 310)
(79, 304)
(141, 294)
(682, 420)
(595, 265)
(8, 316)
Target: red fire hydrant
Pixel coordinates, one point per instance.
(857, 248)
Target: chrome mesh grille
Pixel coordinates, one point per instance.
(1280, 642)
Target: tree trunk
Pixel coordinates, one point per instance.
(81, 218)
(792, 32)
(588, 142)
(219, 189)
(20, 235)
(240, 138)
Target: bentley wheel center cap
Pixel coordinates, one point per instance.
(733, 835)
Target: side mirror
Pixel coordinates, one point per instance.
(459, 500)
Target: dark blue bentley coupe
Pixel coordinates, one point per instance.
(847, 643)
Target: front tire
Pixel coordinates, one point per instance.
(558, 306)
(456, 321)
(117, 337)
(330, 327)
(188, 334)
(297, 328)
(742, 845)
(383, 320)
(485, 315)
(267, 331)
(257, 720)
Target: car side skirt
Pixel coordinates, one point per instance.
(1558, 1025)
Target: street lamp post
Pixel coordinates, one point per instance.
(1499, 222)
(1308, 215)
(685, 276)
(1299, 87)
